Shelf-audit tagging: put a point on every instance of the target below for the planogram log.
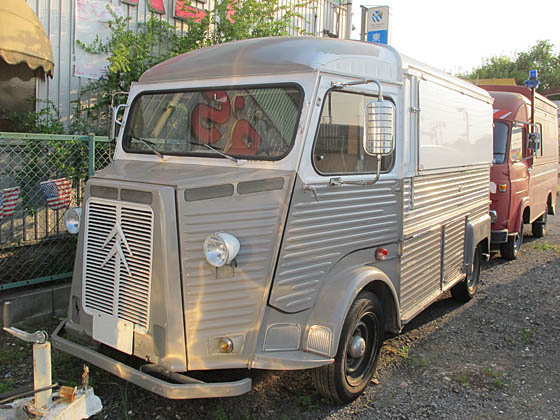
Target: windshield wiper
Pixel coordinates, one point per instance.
(216, 151)
(149, 144)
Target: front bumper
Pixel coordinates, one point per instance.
(499, 236)
(189, 388)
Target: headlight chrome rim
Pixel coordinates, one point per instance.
(72, 220)
(220, 249)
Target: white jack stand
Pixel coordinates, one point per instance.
(66, 404)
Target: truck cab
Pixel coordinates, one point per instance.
(524, 173)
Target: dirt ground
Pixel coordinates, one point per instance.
(495, 357)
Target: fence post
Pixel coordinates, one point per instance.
(91, 160)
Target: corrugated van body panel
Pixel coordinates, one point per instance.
(228, 302)
(435, 212)
(420, 269)
(434, 199)
(322, 230)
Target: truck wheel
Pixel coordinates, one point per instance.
(510, 249)
(358, 352)
(539, 226)
(465, 290)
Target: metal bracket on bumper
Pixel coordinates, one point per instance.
(191, 389)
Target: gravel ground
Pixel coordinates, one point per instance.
(495, 357)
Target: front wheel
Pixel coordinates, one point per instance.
(358, 352)
(465, 290)
(539, 226)
(511, 248)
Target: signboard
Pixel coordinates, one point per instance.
(377, 25)
(92, 23)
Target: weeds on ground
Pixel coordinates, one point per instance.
(304, 401)
(404, 351)
(219, 413)
(546, 246)
(463, 379)
(6, 386)
(12, 353)
(488, 377)
(495, 377)
(527, 335)
(419, 362)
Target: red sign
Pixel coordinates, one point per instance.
(156, 6)
(184, 11)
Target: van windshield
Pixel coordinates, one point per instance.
(501, 134)
(257, 123)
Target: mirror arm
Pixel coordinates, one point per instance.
(336, 182)
(341, 85)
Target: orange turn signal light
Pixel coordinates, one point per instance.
(502, 188)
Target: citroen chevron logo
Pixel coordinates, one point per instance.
(117, 248)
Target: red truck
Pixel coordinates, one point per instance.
(524, 175)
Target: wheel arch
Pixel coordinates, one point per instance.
(550, 205)
(333, 303)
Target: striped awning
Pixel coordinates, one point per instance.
(22, 37)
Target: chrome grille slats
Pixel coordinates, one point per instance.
(108, 285)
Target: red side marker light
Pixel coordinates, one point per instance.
(381, 254)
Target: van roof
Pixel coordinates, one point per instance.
(515, 92)
(300, 54)
(276, 55)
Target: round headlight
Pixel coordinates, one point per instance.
(72, 219)
(220, 249)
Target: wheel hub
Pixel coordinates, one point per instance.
(357, 347)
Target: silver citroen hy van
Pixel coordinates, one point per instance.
(278, 203)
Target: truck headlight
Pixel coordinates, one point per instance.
(220, 249)
(72, 219)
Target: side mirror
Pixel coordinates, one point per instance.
(534, 141)
(379, 128)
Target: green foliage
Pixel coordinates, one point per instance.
(245, 19)
(44, 121)
(6, 386)
(219, 413)
(528, 335)
(541, 57)
(546, 246)
(132, 52)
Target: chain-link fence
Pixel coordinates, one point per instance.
(41, 176)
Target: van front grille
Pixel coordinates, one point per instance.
(118, 260)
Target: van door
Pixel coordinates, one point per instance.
(333, 214)
(519, 162)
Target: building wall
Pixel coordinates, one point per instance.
(58, 16)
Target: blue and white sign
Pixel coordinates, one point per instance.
(378, 29)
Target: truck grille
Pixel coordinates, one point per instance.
(118, 260)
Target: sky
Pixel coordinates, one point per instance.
(457, 36)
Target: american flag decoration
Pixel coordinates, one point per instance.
(58, 193)
(8, 201)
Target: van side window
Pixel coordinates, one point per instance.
(338, 143)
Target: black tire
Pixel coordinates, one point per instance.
(358, 352)
(465, 290)
(510, 249)
(539, 226)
